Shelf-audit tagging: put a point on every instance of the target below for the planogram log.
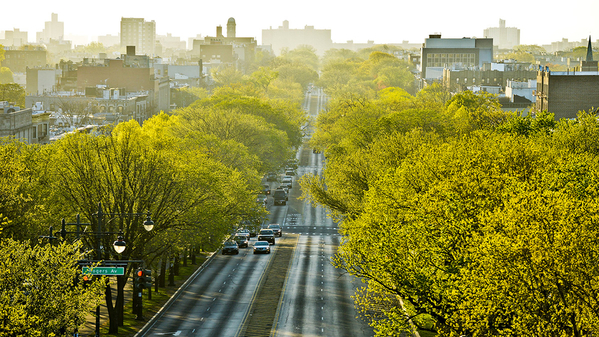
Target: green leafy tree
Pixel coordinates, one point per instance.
(226, 75)
(12, 92)
(6, 75)
(475, 111)
(133, 170)
(42, 291)
(303, 54)
(21, 205)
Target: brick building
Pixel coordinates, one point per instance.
(18, 60)
(565, 93)
(491, 74)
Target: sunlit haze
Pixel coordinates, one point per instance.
(360, 21)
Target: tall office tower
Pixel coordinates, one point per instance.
(139, 33)
(53, 29)
(503, 37)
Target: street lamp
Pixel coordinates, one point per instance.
(119, 245)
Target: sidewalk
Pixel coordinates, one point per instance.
(89, 329)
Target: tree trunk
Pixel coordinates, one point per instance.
(120, 299)
(193, 256)
(176, 264)
(185, 257)
(171, 275)
(113, 327)
(162, 273)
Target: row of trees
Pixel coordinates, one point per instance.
(462, 219)
(196, 171)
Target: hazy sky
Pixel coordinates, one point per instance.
(540, 22)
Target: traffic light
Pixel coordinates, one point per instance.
(143, 279)
(86, 280)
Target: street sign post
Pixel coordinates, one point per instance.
(103, 270)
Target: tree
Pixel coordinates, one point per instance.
(41, 290)
(474, 111)
(12, 92)
(304, 54)
(136, 170)
(226, 75)
(20, 204)
(6, 75)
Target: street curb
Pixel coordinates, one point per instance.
(176, 295)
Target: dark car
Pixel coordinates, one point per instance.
(280, 197)
(261, 199)
(261, 247)
(287, 181)
(272, 176)
(289, 172)
(243, 240)
(276, 228)
(266, 189)
(267, 235)
(230, 247)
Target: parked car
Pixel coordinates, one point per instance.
(267, 235)
(276, 228)
(230, 247)
(266, 189)
(243, 240)
(289, 172)
(272, 176)
(261, 247)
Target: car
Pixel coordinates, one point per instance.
(243, 240)
(289, 172)
(292, 164)
(284, 188)
(272, 176)
(276, 228)
(266, 189)
(280, 197)
(267, 235)
(261, 198)
(230, 247)
(262, 247)
(287, 181)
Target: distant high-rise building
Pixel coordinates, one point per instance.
(14, 38)
(109, 40)
(283, 37)
(139, 33)
(54, 30)
(503, 37)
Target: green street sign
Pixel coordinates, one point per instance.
(104, 270)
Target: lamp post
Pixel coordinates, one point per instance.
(119, 245)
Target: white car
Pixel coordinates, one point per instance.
(262, 247)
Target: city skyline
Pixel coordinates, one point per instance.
(384, 22)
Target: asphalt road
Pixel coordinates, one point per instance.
(315, 298)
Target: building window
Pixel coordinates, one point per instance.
(45, 129)
(34, 132)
